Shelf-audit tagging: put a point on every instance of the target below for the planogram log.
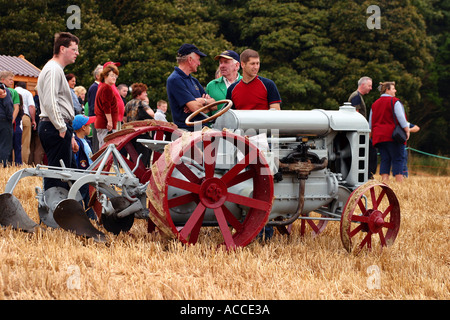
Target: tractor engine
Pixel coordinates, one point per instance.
(326, 149)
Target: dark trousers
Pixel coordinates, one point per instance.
(56, 148)
(17, 144)
(391, 154)
(6, 141)
(373, 159)
(141, 149)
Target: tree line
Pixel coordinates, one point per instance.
(315, 51)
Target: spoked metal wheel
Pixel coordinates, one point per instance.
(307, 226)
(211, 178)
(371, 217)
(125, 142)
(314, 227)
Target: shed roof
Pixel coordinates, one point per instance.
(19, 66)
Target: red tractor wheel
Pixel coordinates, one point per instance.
(191, 186)
(316, 226)
(125, 141)
(371, 217)
(305, 226)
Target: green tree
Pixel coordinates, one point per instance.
(315, 51)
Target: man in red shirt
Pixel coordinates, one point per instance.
(253, 92)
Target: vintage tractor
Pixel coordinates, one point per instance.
(251, 169)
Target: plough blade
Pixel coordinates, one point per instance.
(70, 215)
(114, 223)
(12, 214)
(52, 197)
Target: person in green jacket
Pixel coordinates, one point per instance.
(229, 63)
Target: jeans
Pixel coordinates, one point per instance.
(391, 153)
(56, 148)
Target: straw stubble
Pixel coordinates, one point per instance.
(54, 264)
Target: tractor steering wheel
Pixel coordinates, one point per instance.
(189, 122)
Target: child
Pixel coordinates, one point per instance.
(81, 126)
(160, 113)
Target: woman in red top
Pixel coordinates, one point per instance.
(382, 124)
(106, 110)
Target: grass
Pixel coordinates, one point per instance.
(54, 264)
(425, 165)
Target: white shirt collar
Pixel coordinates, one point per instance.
(228, 83)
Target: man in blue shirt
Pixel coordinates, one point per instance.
(185, 93)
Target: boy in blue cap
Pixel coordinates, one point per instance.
(82, 125)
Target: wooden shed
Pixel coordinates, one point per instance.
(23, 70)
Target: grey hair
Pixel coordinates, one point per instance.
(182, 59)
(239, 64)
(363, 80)
(98, 69)
(5, 74)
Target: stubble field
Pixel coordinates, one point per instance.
(55, 264)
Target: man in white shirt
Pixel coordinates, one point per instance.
(57, 112)
(28, 119)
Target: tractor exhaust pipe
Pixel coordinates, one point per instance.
(303, 169)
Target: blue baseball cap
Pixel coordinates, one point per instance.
(228, 54)
(81, 120)
(187, 48)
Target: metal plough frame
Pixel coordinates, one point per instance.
(125, 179)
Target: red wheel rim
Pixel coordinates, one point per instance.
(210, 190)
(373, 224)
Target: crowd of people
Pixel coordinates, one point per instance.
(56, 102)
(40, 129)
(19, 122)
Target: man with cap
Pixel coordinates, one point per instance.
(185, 92)
(229, 62)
